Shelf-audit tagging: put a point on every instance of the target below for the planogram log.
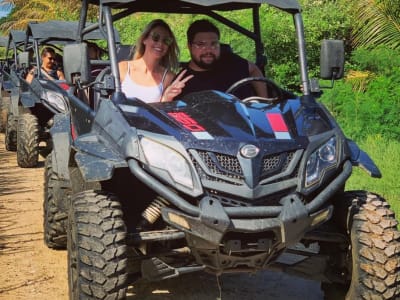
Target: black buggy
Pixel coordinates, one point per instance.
(11, 87)
(4, 94)
(210, 182)
(43, 97)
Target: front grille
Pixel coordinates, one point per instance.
(220, 165)
(276, 163)
(226, 168)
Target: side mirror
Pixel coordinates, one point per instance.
(76, 64)
(332, 59)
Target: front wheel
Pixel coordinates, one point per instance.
(56, 198)
(28, 141)
(97, 249)
(373, 256)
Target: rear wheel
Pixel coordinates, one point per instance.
(97, 248)
(27, 141)
(373, 257)
(4, 106)
(56, 199)
(11, 132)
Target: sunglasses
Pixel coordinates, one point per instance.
(156, 37)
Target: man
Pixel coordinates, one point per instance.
(212, 67)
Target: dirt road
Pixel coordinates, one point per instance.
(29, 270)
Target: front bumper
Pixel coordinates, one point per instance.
(230, 238)
(223, 243)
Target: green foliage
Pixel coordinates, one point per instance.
(386, 153)
(377, 22)
(375, 108)
(380, 60)
(374, 111)
(322, 20)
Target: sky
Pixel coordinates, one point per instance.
(4, 9)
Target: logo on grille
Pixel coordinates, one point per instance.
(249, 151)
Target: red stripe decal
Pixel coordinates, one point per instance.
(73, 132)
(277, 122)
(64, 86)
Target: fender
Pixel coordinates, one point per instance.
(61, 145)
(96, 158)
(95, 161)
(361, 159)
(27, 100)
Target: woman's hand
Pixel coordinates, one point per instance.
(175, 88)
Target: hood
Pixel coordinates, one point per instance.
(215, 121)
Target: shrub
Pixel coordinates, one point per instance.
(374, 109)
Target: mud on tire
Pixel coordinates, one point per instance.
(373, 258)
(56, 199)
(27, 141)
(97, 249)
(11, 133)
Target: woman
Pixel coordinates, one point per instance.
(151, 70)
(49, 68)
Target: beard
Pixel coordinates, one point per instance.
(206, 65)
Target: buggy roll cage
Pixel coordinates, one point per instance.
(123, 8)
(57, 32)
(15, 43)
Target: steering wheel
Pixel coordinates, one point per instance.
(274, 91)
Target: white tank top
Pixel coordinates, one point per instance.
(144, 93)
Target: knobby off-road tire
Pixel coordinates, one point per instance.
(4, 106)
(10, 140)
(27, 141)
(97, 251)
(56, 199)
(374, 252)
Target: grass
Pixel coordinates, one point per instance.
(386, 155)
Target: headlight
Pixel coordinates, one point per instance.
(322, 159)
(165, 158)
(55, 100)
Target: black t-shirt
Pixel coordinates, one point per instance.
(229, 69)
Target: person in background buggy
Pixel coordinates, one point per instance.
(49, 69)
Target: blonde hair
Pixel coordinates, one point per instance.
(171, 59)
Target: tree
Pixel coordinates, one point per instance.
(377, 22)
(26, 11)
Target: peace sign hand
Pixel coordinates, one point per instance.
(175, 88)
